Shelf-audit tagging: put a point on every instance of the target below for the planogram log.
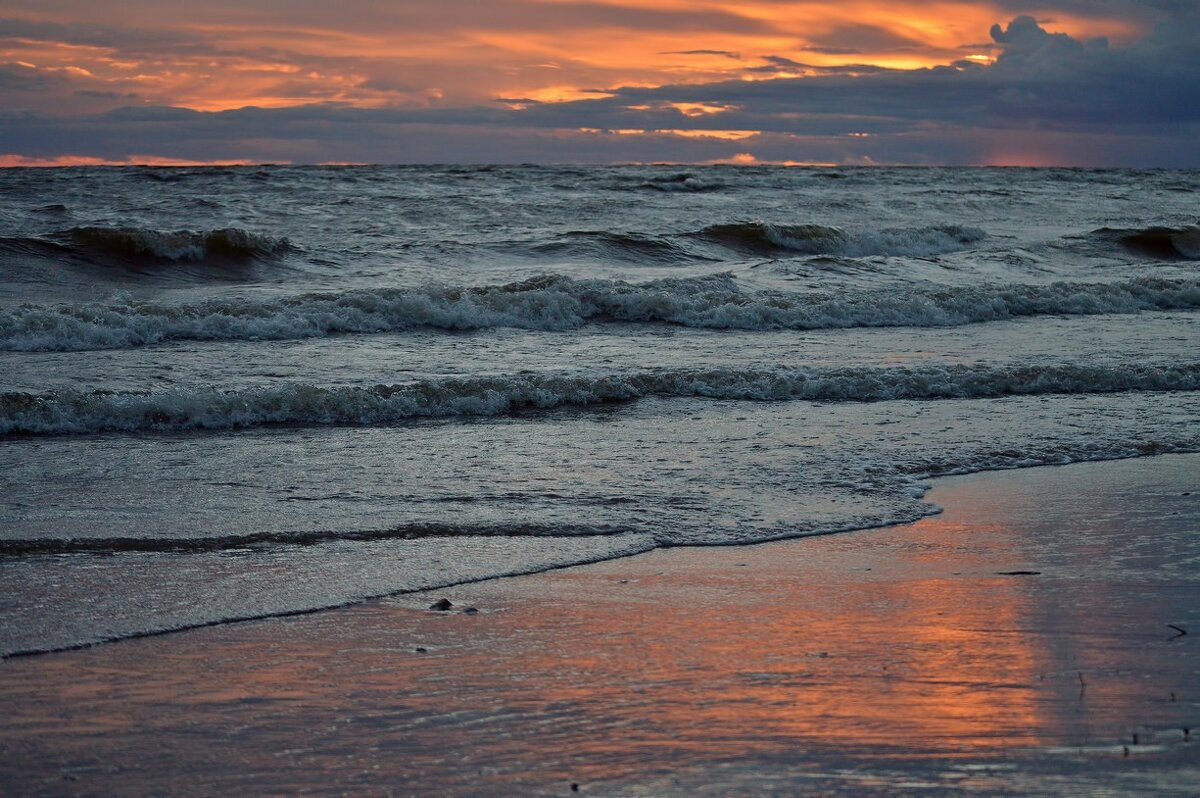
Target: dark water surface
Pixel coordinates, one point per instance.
(228, 393)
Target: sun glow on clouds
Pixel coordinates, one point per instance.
(723, 135)
(11, 160)
(750, 81)
(230, 55)
(701, 109)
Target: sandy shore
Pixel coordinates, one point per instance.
(1026, 641)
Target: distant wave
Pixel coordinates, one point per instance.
(66, 412)
(625, 247)
(813, 239)
(1162, 243)
(139, 246)
(556, 302)
(230, 243)
(760, 239)
(684, 181)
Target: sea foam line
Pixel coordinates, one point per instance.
(556, 302)
(71, 411)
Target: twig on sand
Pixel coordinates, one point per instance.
(1181, 632)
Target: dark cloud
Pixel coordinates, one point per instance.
(776, 64)
(1024, 38)
(1048, 94)
(723, 53)
(1041, 80)
(105, 95)
(22, 78)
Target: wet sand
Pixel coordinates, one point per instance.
(1026, 641)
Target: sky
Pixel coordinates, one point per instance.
(1001, 82)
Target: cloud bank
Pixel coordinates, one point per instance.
(1022, 92)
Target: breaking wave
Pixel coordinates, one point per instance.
(139, 252)
(69, 411)
(1163, 243)
(683, 181)
(556, 302)
(763, 238)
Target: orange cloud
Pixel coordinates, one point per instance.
(10, 160)
(366, 55)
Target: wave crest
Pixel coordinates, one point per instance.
(763, 238)
(66, 412)
(136, 243)
(635, 248)
(682, 182)
(1162, 243)
(556, 302)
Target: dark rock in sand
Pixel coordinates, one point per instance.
(441, 605)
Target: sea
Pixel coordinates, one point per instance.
(234, 393)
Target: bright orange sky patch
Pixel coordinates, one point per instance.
(8, 161)
(412, 57)
(696, 80)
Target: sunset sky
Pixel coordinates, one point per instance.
(1064, 82)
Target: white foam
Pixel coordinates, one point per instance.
(561, 303)
(64, 412)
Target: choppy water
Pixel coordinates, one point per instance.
(227, 393)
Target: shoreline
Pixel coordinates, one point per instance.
(926, 481)
(1014, 644)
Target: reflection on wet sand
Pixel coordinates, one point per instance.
(905, 648)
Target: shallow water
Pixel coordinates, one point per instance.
(228, 393)
(1017, 644)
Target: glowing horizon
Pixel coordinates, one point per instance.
(553, 68)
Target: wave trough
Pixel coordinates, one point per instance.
(763, 238)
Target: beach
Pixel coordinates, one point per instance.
(671, 442)
(630, 399)
(1038, 637)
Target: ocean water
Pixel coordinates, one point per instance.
(235, 393)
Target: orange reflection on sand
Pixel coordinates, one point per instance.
(799, 659)
(835, 655)
(830, 655)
